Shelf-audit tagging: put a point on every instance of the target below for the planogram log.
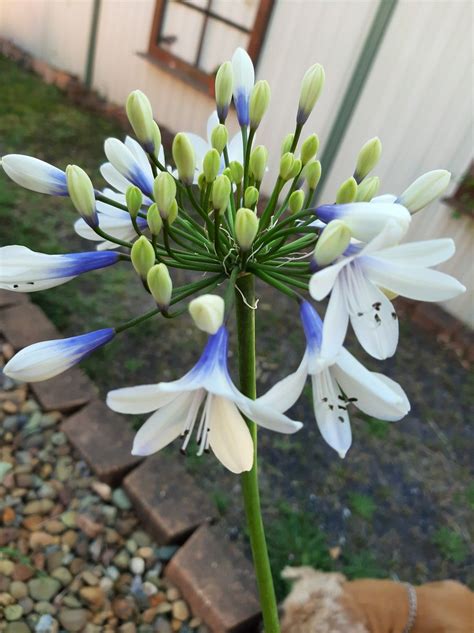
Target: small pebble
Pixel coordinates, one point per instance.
(137, 565)
(13, 612)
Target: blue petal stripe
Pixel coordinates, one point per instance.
(60, 183)
(78, 347)
(241, 102)
(140, 179)
(74, 264)
(215, 352)
(312, 325)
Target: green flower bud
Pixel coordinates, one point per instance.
(237, 171)
(202, 182)
(184, 158)
(156, 133)
(259, 102)
(134, 199)
(295, 170)
(164, 190)
(258, 162)
(251, 197)
(219, 137)
(312, 173)
(154, 219)
(160, 285)
(332, 242)
(224, 85)
(368, 157)
(143, 256)
(347, 191)
(311, 87)
(287, 143)
(211, 164)
(173, 214)
(227, 172)
(246, 228)
(296, 201)
(221, 190)
(81, 192)
(425, 189)
(140, 115)
(368, 189)
(207, 312)
(287, 162)
(309, 149)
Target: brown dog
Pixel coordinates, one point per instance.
(328, 603)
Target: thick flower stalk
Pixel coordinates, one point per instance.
(205, 215)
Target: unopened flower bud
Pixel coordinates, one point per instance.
(251, 197)
(156, 133)
(224, 84)
(287, 162)
(368, 157)
(143, 256)
(295, 170)
(259, 102)
(425, 189)
(154, 219)
(160, 285)
(164, 190)
(140, 115)
(173, 214)
(286, 144)
(81, 192)
(211, 164)
(227, 172)
(134, 199)
(311, 87)
(184, 157)
(258, 162)
(246, 228)
(332, 242)
(347, 191)
(221, 190)
(207, 312)
(202, 182)
(296, 201)
(309, 149)
(237, 171)
(312, 173)
(219, 137)
(368, 189)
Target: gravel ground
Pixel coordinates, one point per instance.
(72, 554)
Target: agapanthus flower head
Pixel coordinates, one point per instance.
(338, 382)
(209, 388)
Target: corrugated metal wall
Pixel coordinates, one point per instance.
(418, 96)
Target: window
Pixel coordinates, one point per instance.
(193, 37)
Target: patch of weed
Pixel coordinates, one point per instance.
(362, 505)
(451, 545)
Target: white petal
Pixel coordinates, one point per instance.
(243, 71)
(390, 235)
(366, 219)
(266, 416)
(424, 254)
(382, 398)
(335, 324)
(333, 423)
(45, 284)
(114, 177)
(212, 122)
(162, 427)
(35, 174)
(286, 392)
(321, 283)
(139, 399)
(419, 283)
(229, 436)
(140, 156)
(386, 197)
(236, 149)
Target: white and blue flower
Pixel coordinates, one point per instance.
(35, 174)
(24, 270)
(47, 359)
(366, 219)
(131, 162)
(244, 79)
(337, 382)
(209, 388)
(355, 284)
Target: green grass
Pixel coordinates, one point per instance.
(362, 505)
(451, 545)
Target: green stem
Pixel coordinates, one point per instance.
(246, 343)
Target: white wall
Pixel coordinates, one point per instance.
(418, 96)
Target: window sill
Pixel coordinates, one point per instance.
(172, 68)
